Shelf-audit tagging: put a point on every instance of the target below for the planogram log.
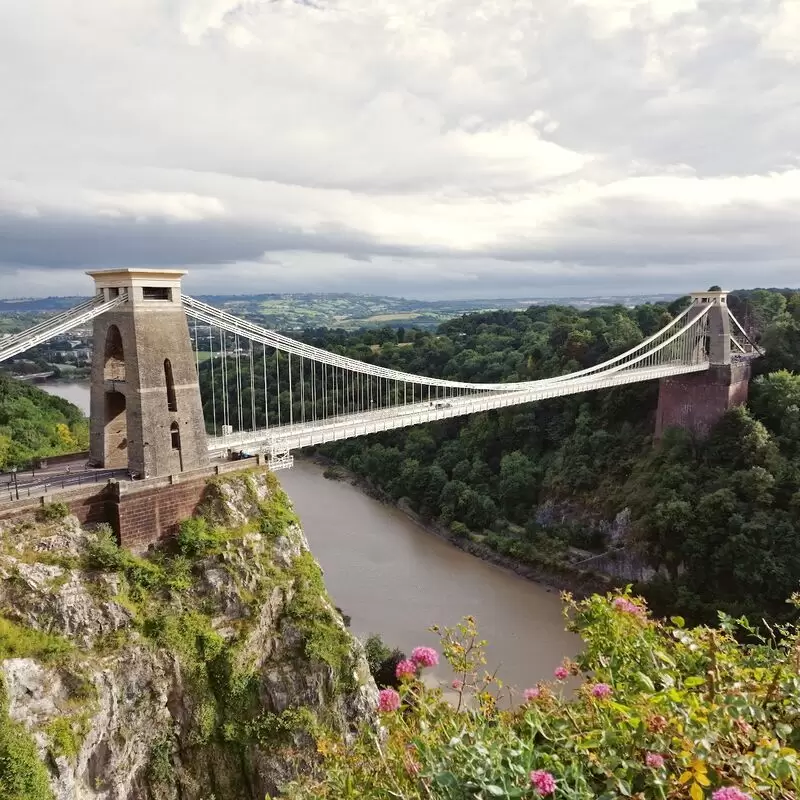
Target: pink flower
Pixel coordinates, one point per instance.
(531, 694)
(424, 656)
(405, 669)
(543, 782)
(730, 793)
(654, 760)
(601, 691)
(627, 607)
(457, 684)
(388, 700)
(561, 673)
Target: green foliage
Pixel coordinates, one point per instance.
(197, 538)
(159, 767)
(269, 730)
(719, 516)
(17, 641)
(276, 515)
(52, 512)
(661, 711)
(34, 424)
(22, 774)
(66, 735)
(325, 637)
(382, 660)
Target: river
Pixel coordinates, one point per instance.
(77, 393)
(394, 578)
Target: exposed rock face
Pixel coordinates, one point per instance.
(199, 675)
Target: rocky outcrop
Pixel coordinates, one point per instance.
(203, 672)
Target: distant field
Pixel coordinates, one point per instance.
(392, 317)
(376, 347)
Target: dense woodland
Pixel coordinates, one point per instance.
(718, 519)
(34, 424)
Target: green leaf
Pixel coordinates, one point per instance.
(494, 791)
(693, 681)
(678, 622)
(645, 681)
(446, 779)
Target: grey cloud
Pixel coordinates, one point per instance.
(486, 145)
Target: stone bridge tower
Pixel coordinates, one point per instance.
(146, 412)
(698, 400)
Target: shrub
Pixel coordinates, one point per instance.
(195, 538)
(17, 641)
(661, 711)
(382, 660)
(104, 553)
(23, 776)
(51, 512)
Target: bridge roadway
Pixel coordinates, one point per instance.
(292, 437)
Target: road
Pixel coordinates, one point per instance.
(33, 483)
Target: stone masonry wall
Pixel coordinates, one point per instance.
(141, 513)
(697, 401)
(144, 517)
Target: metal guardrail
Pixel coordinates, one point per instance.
(14, 490)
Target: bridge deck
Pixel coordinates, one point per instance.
(332, 429)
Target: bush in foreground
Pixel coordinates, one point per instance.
(661, 711)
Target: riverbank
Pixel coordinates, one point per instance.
(561, 577)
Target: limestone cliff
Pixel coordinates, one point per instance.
(202, 671)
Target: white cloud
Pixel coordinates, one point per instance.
(470, 138)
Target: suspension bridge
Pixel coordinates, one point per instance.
(176, 381)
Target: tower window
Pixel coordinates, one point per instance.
(175, 435)
(156, 293)
(172, 400)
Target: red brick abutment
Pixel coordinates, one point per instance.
(140, 512)
(697, 401)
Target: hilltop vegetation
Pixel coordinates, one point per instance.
(35, 424)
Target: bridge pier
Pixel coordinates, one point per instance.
(697, 401)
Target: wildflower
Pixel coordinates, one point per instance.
(405, 669)
(544, 783)
(457, 684)
(561, 673)
(531, 694)
(627, 607)
(388, 700)
(730, 793)
(657, 723)
(424, 656)
(601, 691)
(654, 760)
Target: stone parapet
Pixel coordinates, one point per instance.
(141, 513)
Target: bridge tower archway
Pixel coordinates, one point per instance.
(145, 395)
(115, 413)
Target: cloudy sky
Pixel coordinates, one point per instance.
(429, 148)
